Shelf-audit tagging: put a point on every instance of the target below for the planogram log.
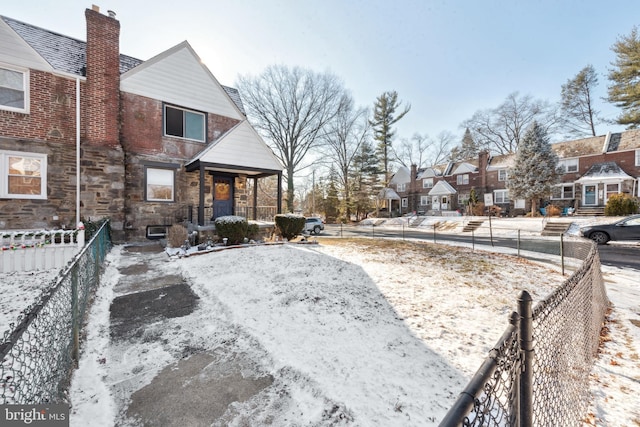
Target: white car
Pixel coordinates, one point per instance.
(313, 225)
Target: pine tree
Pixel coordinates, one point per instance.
(384, 117)
(365, 183)
(624, 91)
(536, 167)
(468, 149)
(332, 202)
(578, 113)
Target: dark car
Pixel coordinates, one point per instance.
(625, 229)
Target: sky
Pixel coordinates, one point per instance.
(447, 59)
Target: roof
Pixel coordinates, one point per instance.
(442, 188)
(607, 171)
(403, 176)
(388, 193)
(68, 55)
(429, 172)
(611, 142)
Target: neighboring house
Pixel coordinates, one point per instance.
(593, 168)
(160, 141)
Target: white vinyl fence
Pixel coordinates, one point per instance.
(38, 250)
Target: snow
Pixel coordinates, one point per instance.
(368, 333)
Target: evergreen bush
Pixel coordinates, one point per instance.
(289, 225)
(233, 228)
(253, 231)
(621, 205)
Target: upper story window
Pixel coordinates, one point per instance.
(568, 165)
(14, 93)
(427, 183)
(23, 175)
(503, 175)
(402, 187)
(160, 184)
(463, 179)
(185, 124)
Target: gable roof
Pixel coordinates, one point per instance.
(401, 177)
(239, 149)
(442, 188)
(429, 172)
(464, 168)
(611, 142)
(607, 171)
(68, 55)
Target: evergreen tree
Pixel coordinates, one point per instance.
(384, 117)
(332, 202)
(468, 149)
(576, 105)
(536, 167)
(624, 91)
(365, 183)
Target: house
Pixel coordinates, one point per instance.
(593, 169)
(88, 133)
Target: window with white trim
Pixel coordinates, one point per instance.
(425, 200)
(402, 187)
(463, 179)
(569, 165)
(183, 123)
(638, 157)
(563, 191)
(14, 90)
(405, 202)
(427, 183)
(23, 175)
(159, 184)
(501, 196)
(463, 198)
(502, 175)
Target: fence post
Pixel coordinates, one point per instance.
(75, 351)
(518, 243)
(434, 233)
(526, 347)
(562, 252)
(341, 224)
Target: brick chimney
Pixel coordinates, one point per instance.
(103, 78)
(483, 163)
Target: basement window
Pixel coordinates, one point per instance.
(23, 175)
(183, 123)
(156, 232)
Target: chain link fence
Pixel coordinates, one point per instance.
(40, 350)
(538, 372)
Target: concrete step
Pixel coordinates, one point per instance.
(555, 228)
(472, 225)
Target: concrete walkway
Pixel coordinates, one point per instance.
(196, 385)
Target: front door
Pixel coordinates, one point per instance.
(222, 197)
(444, 203)
(590, 195)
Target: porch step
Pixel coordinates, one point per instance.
(555, 228)
(587, 211)
(416, 222)
(473, 225)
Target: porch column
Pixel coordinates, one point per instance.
(201, 198)
(279, 201)
(255, 198)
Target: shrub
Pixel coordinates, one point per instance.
(253, 231)
(233, 228)
(289, 225)
(621, 205)
(477, 209)
(553, 210)
(176, 236)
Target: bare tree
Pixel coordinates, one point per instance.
(422, 150)
(441, 147)
(579, 116)
(342, 144)
(291, 108)
(501, 129)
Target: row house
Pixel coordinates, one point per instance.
(88, 133)
(593, 169)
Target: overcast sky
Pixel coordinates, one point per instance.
(447, 59)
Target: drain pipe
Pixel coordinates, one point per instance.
(77, 150)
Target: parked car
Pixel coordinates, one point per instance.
(624, 229)
(313, 225)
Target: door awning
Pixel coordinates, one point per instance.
(442, 188)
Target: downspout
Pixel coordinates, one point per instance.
(77, 150)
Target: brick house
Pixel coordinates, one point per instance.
(158, 142)
(593, 169)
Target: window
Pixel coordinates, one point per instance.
(501, 196)
(563, 191)
(184, 123)
(612, 189)
(637, 157)
(425, 200)
(427, 183)
(463, 198)
(159, 184)
(14, 94)
(569, 165)
(23, 175)
(502, 175)
(463, 179)
(402, 187)
(405, 202)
